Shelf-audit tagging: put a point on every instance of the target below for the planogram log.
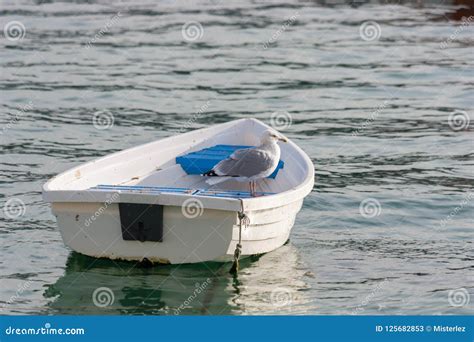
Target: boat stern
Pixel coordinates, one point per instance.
(188, 234)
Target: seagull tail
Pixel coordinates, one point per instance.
(216, 180)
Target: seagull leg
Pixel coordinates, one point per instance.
(254, 192)
(253, 189)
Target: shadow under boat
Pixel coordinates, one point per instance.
(93, 286)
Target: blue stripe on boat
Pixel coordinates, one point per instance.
(202, 161)
(163, 189)
(151, 189)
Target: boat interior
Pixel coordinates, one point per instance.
(176, 165)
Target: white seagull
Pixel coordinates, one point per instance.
(249, 164)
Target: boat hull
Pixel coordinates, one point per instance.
(190, 221)
(94, 229)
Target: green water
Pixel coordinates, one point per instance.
(372, 114)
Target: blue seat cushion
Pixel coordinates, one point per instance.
(202, 161)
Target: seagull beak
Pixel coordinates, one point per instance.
(283, 139)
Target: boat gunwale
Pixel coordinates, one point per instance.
(219, 203)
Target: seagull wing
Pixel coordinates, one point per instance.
(246, 162)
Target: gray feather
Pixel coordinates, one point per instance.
(247, 162)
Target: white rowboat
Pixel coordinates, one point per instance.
(151, 201)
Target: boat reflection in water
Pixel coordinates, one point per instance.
(268, 284)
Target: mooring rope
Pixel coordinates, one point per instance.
(243, 221)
